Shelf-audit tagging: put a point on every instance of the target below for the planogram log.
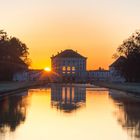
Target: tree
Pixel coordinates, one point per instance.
(130, 50)
(13, 56)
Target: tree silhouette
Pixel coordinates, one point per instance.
(130, 50)
(127, 113)
(13, 56)
(12, 112)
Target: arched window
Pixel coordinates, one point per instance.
(73, 68)
(63, 68)
(68, 68)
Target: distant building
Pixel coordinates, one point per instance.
(98, 75)
(10, 65)
(29, 75)
(115, 75)
(69, 66)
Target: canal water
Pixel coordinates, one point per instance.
(70, 112)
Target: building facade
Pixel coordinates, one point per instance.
(69, 66)
(98, 75)
(115, 75)
(30, 75)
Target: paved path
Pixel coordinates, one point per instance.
(13, 86)
(128, 87)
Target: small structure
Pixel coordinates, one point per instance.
(115, 75)
(98, 75)
(9, 65)
(69, 66)
(29, 75)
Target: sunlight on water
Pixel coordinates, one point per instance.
(69, 112)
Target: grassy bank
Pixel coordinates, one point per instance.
(7, 88)
(128, 87)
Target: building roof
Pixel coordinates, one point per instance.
(68, 54)
(118, 61)
(98, 70)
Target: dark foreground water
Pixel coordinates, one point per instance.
(70, 113)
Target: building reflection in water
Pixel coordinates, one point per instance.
(12, 112)
(68, 98)
(128, 112)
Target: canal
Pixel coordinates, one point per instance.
(70, 112)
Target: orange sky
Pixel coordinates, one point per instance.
(94, 28)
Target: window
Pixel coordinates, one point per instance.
(68, 68)
(73, 68)
(73, 61)
(64, 68)
(68, 61)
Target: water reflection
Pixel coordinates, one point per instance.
(128, 112)
(43, 111)
(12, 112)
(68, 98)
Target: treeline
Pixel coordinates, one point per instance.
(130, 51)
(13, 56)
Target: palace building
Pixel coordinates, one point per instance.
(69, 66)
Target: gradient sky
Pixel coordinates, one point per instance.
(93, 27)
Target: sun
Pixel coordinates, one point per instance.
(47, 69)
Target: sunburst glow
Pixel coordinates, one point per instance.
(47, 69)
